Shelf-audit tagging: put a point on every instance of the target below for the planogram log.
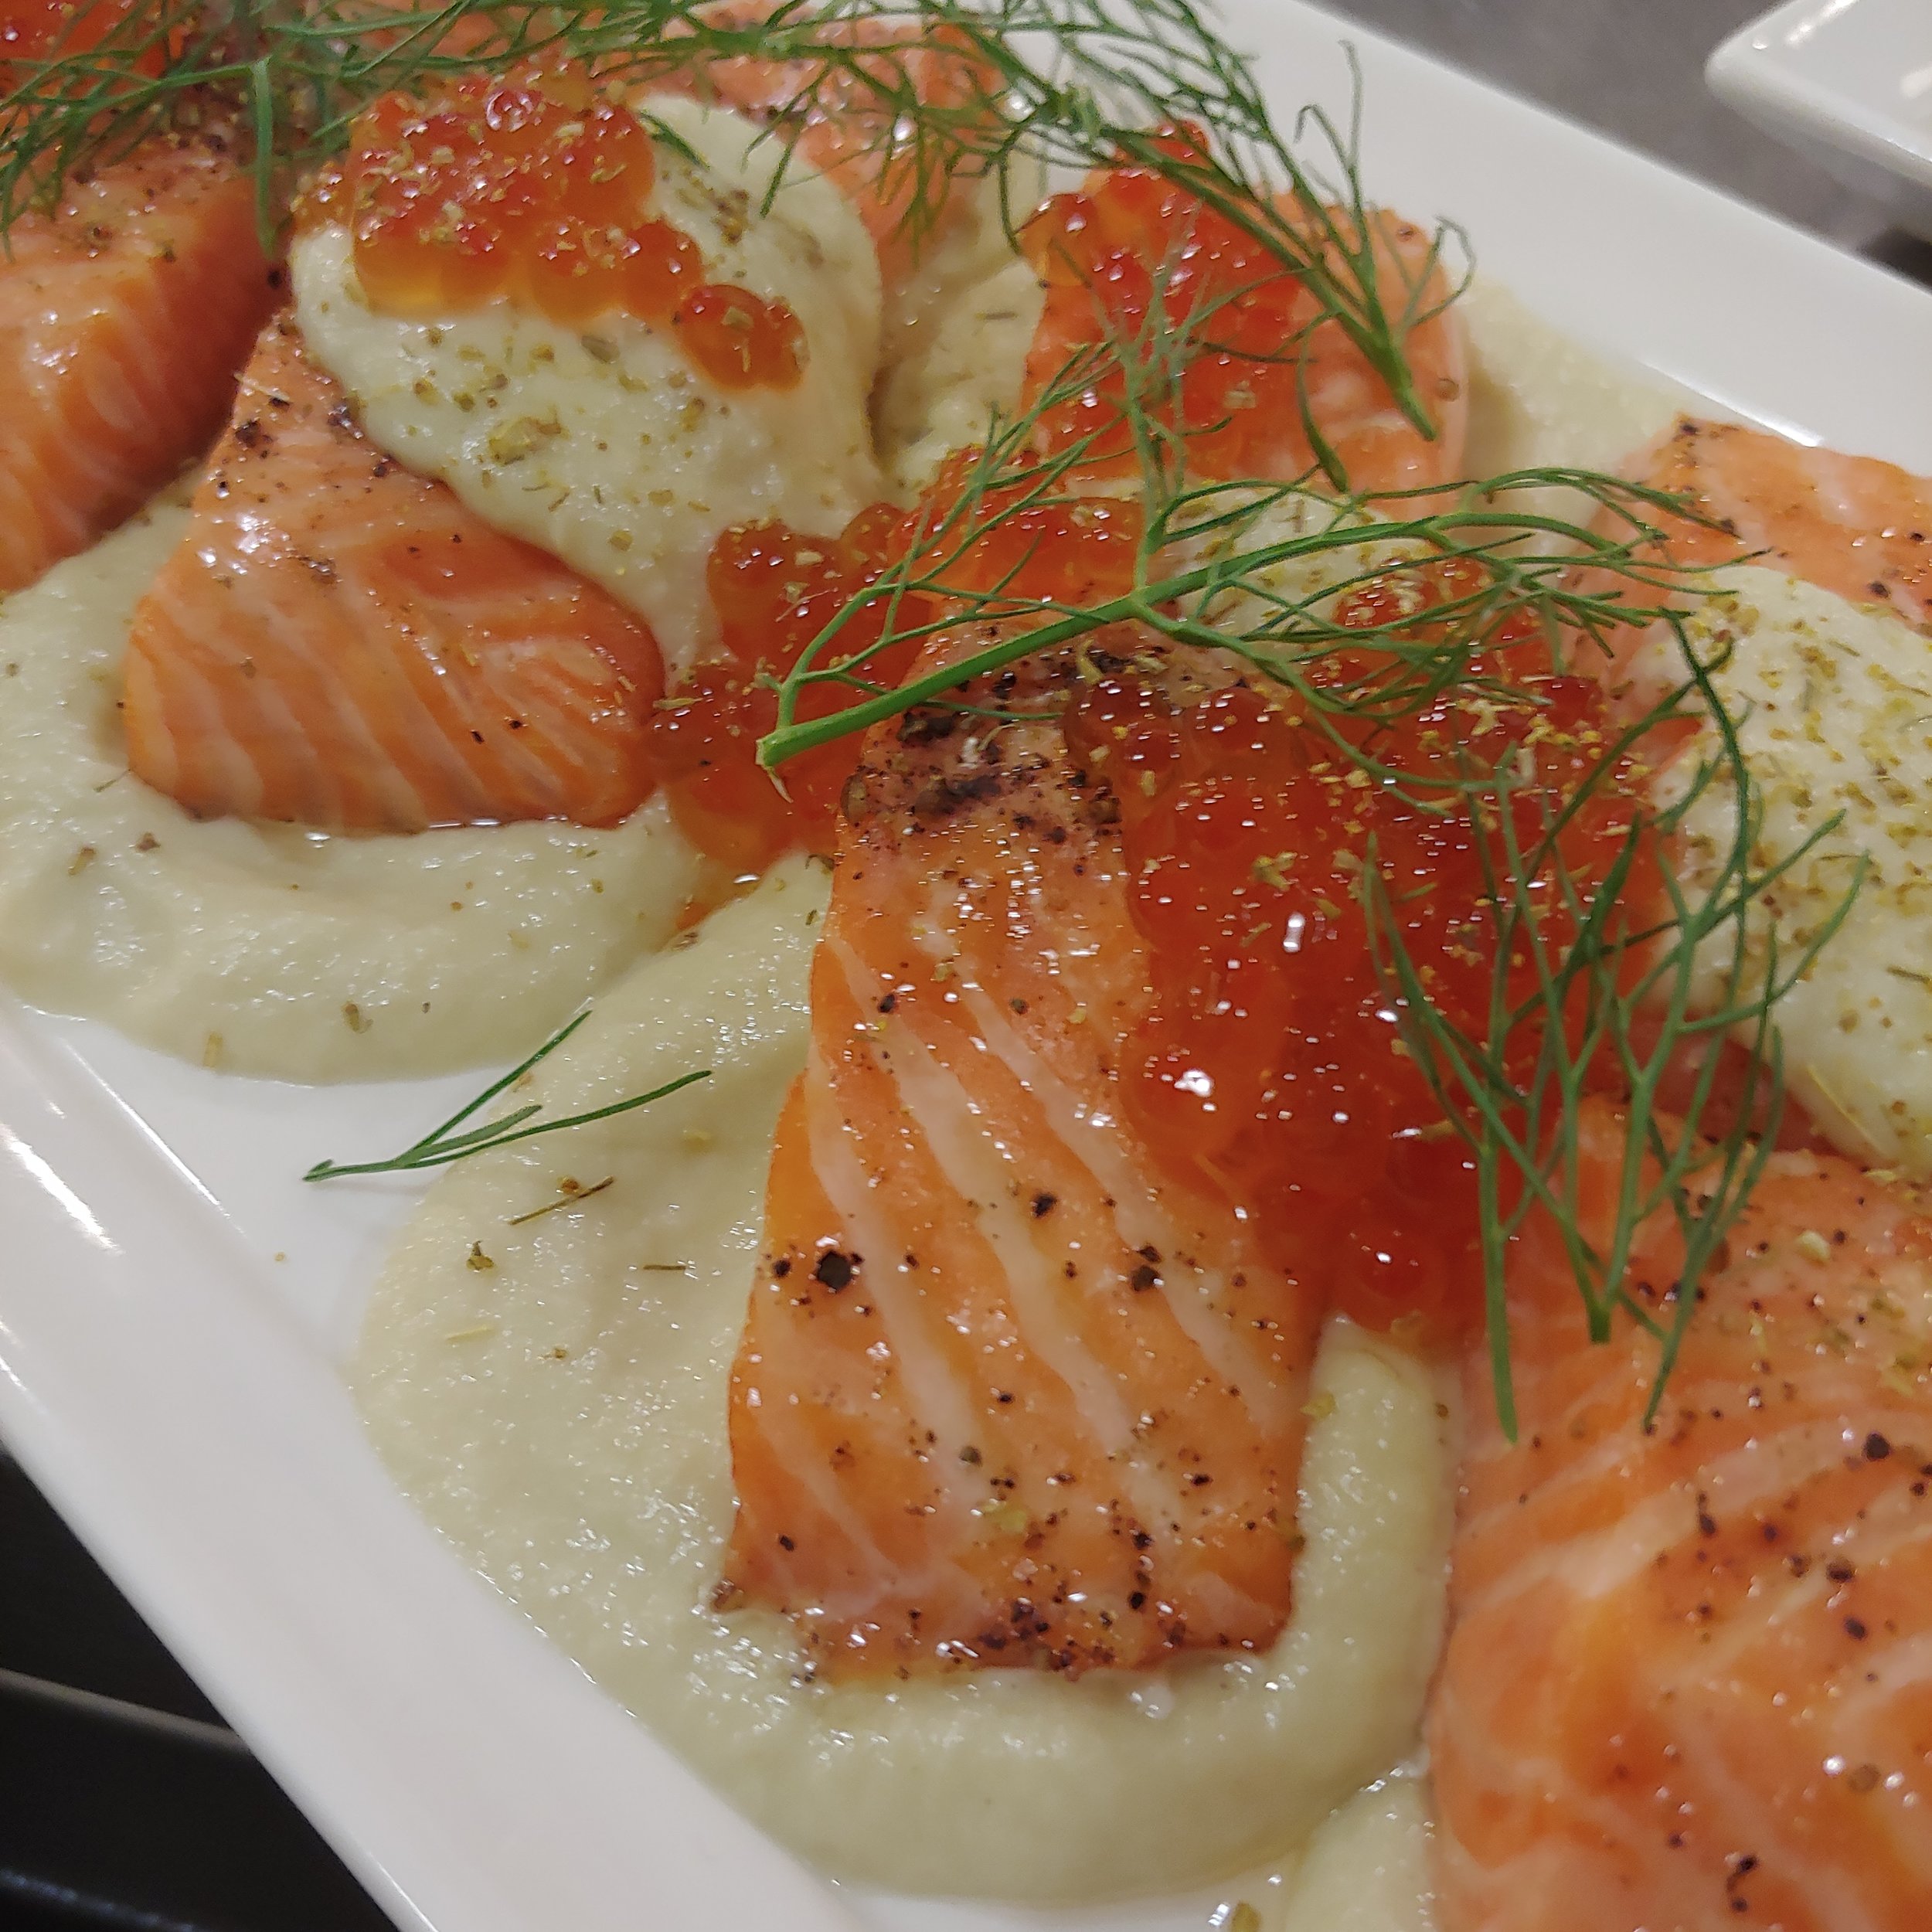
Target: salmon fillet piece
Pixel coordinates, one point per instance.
(1003, 1396)
(125, 315)
(1849, 524)
(338, 642)
(1688, 1682)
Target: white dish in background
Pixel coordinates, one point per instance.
(1849, 81)
(168, 1376)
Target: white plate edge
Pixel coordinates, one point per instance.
(98, 1209)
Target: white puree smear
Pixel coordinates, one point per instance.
(560, 1414)
(264, 948)
(1539, 400)
(956, 350)
(553, 1394)
(606, 446)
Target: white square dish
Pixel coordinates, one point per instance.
(173, 1302)
(1850, 83)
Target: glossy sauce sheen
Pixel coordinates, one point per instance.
(340, 643)
(125, 315)
(536, 191)
(1686, 1686)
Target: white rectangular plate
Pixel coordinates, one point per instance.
(1849, 81)
(173, 1302)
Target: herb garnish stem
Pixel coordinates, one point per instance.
(443, 1145)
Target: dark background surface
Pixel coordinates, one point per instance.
(123, 1802)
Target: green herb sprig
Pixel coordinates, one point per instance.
(1613, 998)
(443, 1145)
(1061, 85)
(1206, 547)
(1258, 573)
(1074, 84)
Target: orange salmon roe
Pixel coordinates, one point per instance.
(1271, 1068)
(773, 590)
(35, 29)
(1078, 553)
(30, 29)
(1132, 257)
(533, 188)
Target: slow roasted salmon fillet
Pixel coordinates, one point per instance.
(1851, 524)
(340, 643)
(1687, 1682)
(1004, 1394)
(125, 315)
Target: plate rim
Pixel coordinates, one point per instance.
(1755, 70)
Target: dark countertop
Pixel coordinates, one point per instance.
(1633, 69)
(128, 1804)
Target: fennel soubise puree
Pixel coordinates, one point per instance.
(1241, 930)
